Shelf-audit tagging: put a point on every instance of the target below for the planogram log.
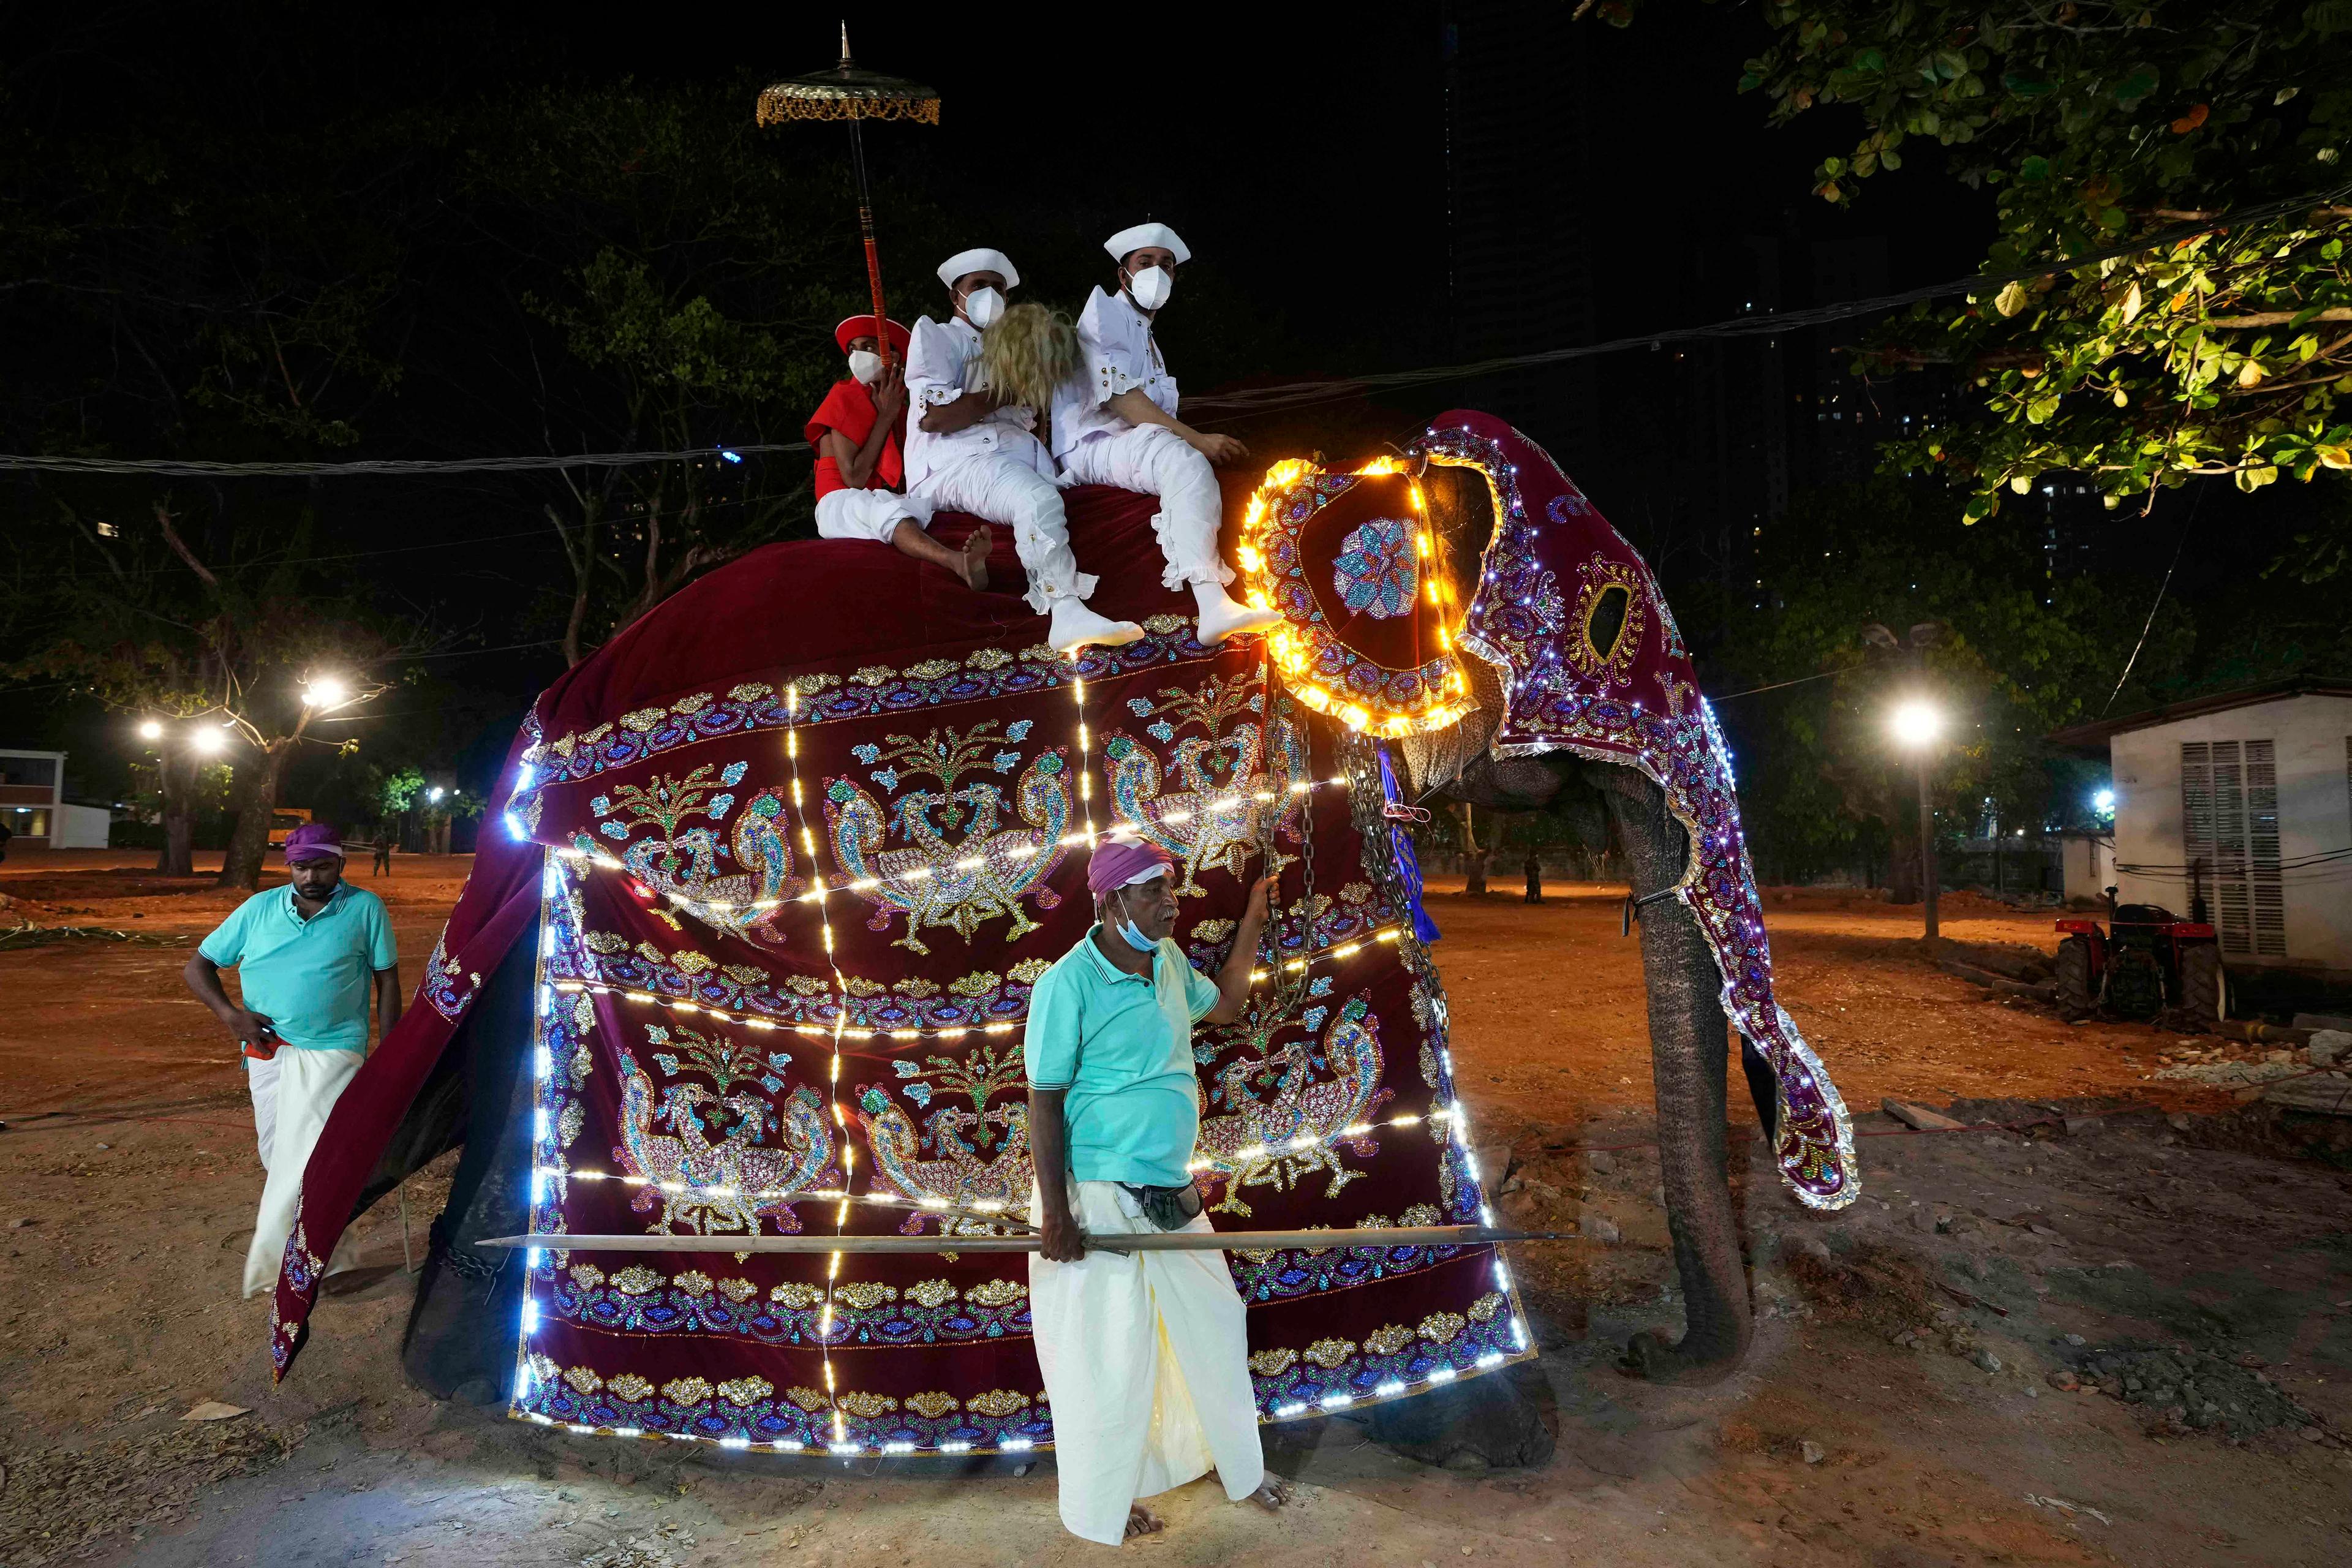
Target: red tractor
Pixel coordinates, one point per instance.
(2146, 963)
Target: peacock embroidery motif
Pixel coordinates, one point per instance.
(956, 1153)
(686, 861)
(961, 859)
(1288, 1107)
(704, 1149)
(1204, 806)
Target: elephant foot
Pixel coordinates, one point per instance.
(1487, 1419)
(1694, 1362)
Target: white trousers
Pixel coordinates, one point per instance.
(1156, 461)
(1146, 1360)
(869, 514)
(1005, 489)
(292, 1093)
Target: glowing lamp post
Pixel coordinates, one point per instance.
(207, 742)
(1916, 726)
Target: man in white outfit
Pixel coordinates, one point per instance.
(1145, 1354)
(1118, 425)
(969, 449)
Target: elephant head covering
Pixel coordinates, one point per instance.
(1590, 661)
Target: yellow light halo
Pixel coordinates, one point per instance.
(1289, 654)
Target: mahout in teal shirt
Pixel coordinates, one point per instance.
(1121, 1047)
(310, 978)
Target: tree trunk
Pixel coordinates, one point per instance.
(257, 799)
(175, 773)
(1474, 859)
(1689, 1056)
(1903, 870)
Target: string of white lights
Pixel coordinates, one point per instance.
(629, 993)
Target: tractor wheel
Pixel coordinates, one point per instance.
(2075, 992)
(2204, 992)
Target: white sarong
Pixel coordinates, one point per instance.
(869, 514)
(1156, 461)
(292, 1093)
(1146, 1360)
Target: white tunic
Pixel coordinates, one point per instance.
(942, 364)
(1120, 357)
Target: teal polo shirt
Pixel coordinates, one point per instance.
(1121, 1047)
(310, 977)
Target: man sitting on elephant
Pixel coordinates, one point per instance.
(1117, 425)
(973, 448)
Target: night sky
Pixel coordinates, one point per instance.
(1302, 152)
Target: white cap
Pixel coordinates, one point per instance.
(979, 259)
(1127, 240)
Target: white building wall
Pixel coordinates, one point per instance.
(2315, 813)
(2088, 865)
(79, 828)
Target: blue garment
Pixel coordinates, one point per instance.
(1122, 1048)
(310, 978)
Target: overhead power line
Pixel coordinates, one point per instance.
(1266, 399)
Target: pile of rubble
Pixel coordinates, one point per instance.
(2315, 1076)
(2189, 1390)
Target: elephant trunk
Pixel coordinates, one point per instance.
(1689, 1059)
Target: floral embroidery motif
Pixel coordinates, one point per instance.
(1611, 665)
(448, 984)
(957, 883)
(1379, 571)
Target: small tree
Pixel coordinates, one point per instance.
(2227, 351)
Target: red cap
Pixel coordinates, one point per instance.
(863, 327)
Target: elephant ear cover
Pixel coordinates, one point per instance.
(1591, 662)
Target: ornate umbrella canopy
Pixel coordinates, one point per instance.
(848, 91)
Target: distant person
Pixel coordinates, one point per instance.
(1116, 426)
(382, 853)
(1534, 878)
(304, 954)
(858, 432)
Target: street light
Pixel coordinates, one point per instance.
(435, 795)
(1917, 725)
(325, 691)
(2104, 803)
(150, 731)
(207, 742)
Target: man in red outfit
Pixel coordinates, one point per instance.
(858, 431)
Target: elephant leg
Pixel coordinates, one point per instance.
(1689, 1055)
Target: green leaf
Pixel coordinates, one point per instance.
(2137, 85)
(2036, 167)
(2011, 297)
(2024, 85)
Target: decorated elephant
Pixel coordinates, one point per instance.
(650, 1015)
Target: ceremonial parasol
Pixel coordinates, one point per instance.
(852, 93)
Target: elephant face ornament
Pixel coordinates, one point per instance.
(1560, 643)
(1350, 561)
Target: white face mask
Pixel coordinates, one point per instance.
(864, 364)
(983, 306)
(1150, 286)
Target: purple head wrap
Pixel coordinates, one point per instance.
(313, 841)
(1122, 862)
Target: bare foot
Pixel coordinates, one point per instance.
(975, 573)
(1273, 1494)
(1141, 1520)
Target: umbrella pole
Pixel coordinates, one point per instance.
(866, 233)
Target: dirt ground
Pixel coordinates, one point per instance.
(2120, 1333)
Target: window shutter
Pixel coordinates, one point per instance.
(2229, 797)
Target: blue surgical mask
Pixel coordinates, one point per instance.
(1135, 939)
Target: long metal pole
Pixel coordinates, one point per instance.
(1143, 1241)
(1928, 876)
(866, 233)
